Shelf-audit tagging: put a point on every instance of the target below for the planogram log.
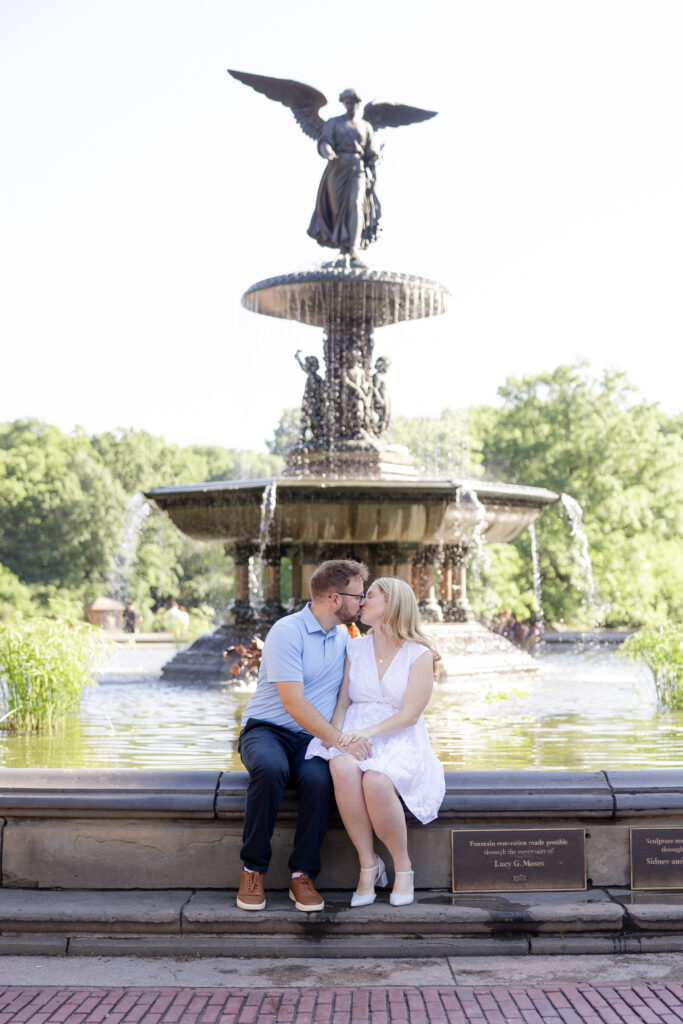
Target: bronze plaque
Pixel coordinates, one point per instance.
(656, 858)
(509, 859)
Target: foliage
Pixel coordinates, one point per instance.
(503, 582)
(286, 432)
(662, 651)
(55, 602)
(201, 619)
(44, 665)
(442, 446)
(15, 596)
(62, 501)
(59, 507)
(622, 461)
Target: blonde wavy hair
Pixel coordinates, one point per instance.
(402, 616)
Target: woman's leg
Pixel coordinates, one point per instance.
(387, 818)
(348, 790)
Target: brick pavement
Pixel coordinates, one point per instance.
(457, 1004)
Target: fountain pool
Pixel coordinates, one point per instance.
(583, 710)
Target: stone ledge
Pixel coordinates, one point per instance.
(33, 945)
(483, 794)
(126, 793)
(205, 793)
(277, 946)
(580, 945)
(521, 793)
(646, 791)
(433, 913)
(652, 911)
(185, 923)
(46, 911)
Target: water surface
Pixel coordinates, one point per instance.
(582, 711)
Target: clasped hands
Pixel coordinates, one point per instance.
(356, 743)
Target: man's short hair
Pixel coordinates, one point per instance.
(333, 576)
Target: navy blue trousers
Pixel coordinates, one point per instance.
(275, 759)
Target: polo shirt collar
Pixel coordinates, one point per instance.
(312, 624)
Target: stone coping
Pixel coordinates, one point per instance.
(207, 793)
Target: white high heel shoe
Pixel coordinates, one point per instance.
(402, 899)
(364, 899)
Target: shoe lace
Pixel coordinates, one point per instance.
(252, 881)
(305, 882)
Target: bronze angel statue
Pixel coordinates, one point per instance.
(347, 211)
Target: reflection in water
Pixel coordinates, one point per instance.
(583, 711)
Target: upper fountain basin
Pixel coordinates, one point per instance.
(354, 511)
(331, 295)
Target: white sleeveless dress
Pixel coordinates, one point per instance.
(405, 756)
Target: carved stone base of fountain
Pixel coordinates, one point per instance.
(357, 459)
(466, 648)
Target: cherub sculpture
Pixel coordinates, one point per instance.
(347, 212)
(312, 402)
(356, 397)
(380, 396)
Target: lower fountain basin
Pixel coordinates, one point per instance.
(347, 511)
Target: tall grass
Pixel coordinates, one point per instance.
(662, 651)
(44, 665)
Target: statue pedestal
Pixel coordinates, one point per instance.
(361, 460)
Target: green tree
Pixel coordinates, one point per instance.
(15, 596)
(441, 446)
(286, 432)
(620, 458)
(59, 507)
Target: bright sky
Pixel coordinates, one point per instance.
(144, 190)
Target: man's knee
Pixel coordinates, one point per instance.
(265, 761)
(265, 773)
(316, 779)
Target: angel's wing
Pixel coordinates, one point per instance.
(303, 100)
(386, 114)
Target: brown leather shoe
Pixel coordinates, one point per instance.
(304, 894)
(251, 894)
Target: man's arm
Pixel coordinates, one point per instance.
(305, 715)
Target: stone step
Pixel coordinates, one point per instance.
(438, 923)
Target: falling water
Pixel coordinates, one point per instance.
(479, 558)
(268, 503)
(136, 512)
(581, 553)
(536, 568)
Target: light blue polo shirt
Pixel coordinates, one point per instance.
(297, 648)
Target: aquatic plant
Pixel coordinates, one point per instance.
(662, 651)
(246, 661)
(44, 665)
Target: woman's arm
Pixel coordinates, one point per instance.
(343, 700)
(416, 699)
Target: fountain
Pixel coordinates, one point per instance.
(345, 490)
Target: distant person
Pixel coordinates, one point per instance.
(388, 680)
(177, 619)
(301, 671)
(131, 618)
